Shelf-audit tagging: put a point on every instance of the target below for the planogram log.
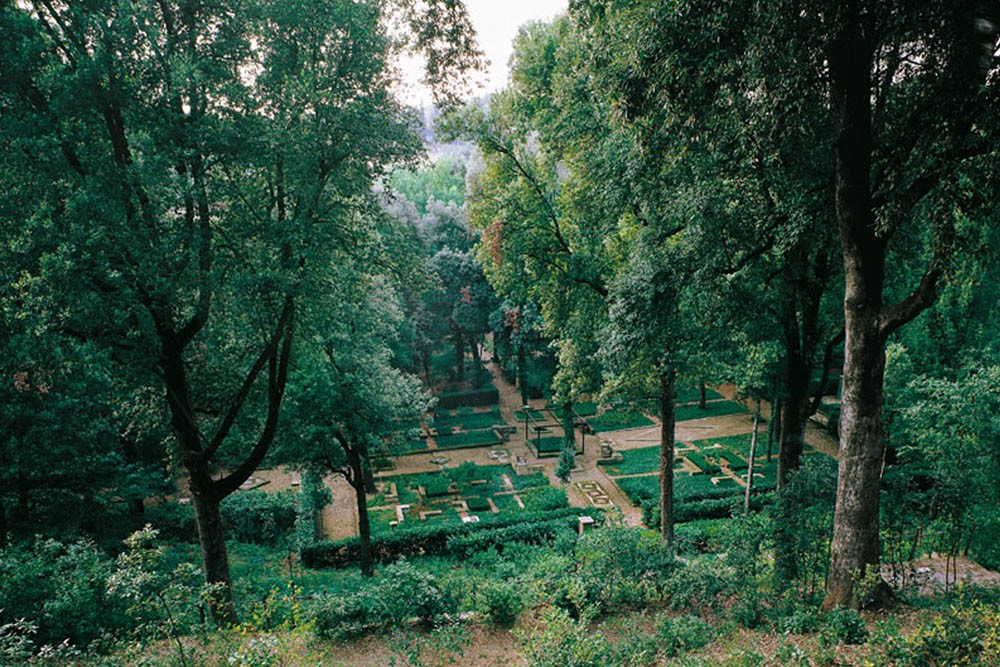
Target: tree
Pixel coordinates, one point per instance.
(348, 400)
(879, 72)
(197, 159)
(888, 64)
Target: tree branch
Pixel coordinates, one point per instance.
(921, 298)
(281, 330)
(277, 379)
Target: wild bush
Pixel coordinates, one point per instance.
(965, 634)
(843, 626)
(402, 594)
(258, 517)
(679, 634)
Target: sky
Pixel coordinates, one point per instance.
(496, 23)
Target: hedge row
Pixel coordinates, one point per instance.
(715, 508)
(487, 395)
(539, 532)
(429, 539)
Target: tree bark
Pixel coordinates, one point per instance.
(774, 427)
(569, 434)
(214, 556)
(794, 413)
(667, 457)
(458, 340)
(522, 374)
(855, 547)
(358, 482)
(753, 452)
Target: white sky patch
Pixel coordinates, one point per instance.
(496, 23)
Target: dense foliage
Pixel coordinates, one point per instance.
(220, 250)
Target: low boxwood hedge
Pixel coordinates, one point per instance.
(428, 539)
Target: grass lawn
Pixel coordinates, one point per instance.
(481, 438)
(716, 409)
(615, 420)
(468, 421)
(637, 462)
(692, 394)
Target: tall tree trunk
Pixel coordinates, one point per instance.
(214, 556)
(774, 426)
(794, 413)
(569, 434)
(753, 453)
(358, 482)
(458, 340)
(477, 362)
(855, 547)
(522, 374)
(667, 457)
(702, 395)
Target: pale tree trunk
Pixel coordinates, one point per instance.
(667, 457)
(753, 453)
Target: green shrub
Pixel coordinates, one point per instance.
(173, 521)
(697, 586)
(798, 622)
(499, 601)
(529, 481)
(403, 593)
(843, 625)
(622, 566)
(258, 517)
(428, 539)
(538, 532)
(436, 486)
(561, 641)
(478, 504)
(545, 499)
(61, 591)
(680, 634)
(962, 635)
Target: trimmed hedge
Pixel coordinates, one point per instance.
(483, 438)
(539, 532)
(478, 504)
(430, 539)
(488, 395)
(712, 508)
